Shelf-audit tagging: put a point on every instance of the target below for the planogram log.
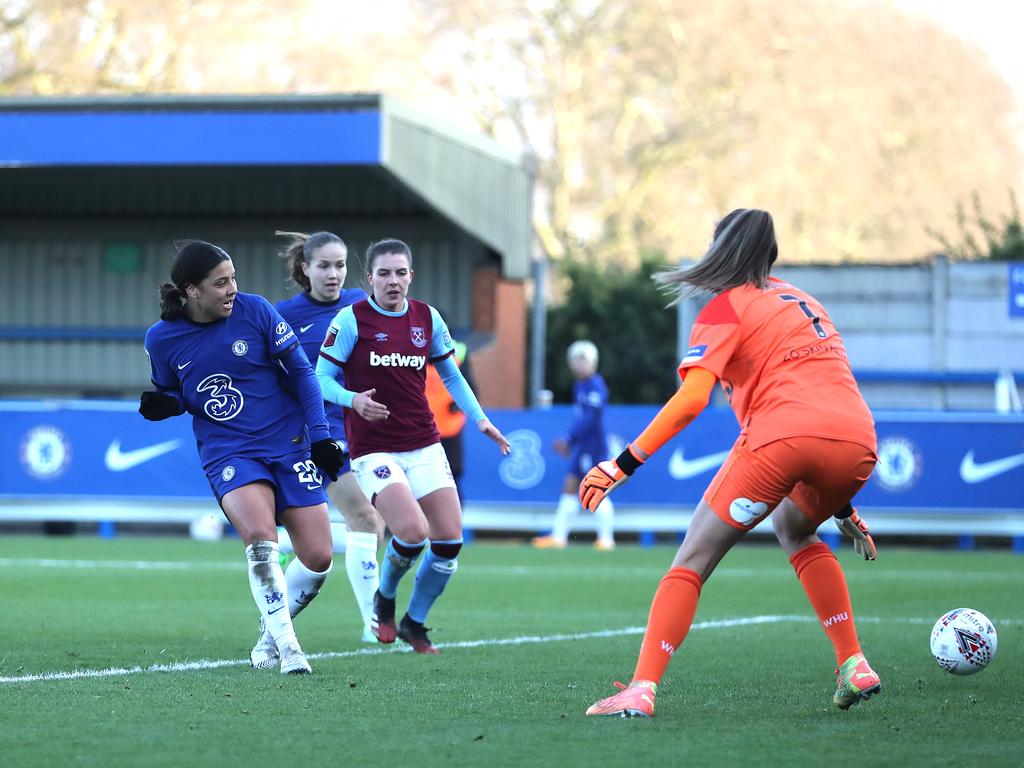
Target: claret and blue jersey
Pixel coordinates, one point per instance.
(389, 352)
(228, 375)
(310, 320)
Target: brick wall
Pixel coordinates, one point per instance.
(499, 367)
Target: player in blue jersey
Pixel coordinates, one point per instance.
(230, 360)
(585, 445)
(319, 264)
(383, 345)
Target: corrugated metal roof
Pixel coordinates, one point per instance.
(426, 169)
(470, 179)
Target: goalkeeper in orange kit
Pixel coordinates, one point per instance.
(806, 446)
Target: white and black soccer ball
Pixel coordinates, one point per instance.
(963, 641)
(206, 527)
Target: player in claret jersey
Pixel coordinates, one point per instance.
(806, 446)
(383, 345)
(230, 360)
(319, 264)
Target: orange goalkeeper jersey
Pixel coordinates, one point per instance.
(782, 365)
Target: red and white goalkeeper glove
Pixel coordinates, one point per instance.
(851, 524)
(606, 476)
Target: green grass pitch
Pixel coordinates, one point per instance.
(528, 640)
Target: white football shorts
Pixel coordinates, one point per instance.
(424, 470)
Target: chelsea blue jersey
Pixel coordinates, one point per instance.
(228, 375)
(310, 320)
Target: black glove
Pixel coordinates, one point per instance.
(157, 406)
(327, 456)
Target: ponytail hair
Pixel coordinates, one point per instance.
(301, 250)
(192, 263)
(172, 302)
(743, 251)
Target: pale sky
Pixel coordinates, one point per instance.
(993, 25)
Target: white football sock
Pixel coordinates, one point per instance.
(363, 574)
(270, 591)
(604, 519)
(303, 585)
(568, 507)
(339, 535)
(284, 541)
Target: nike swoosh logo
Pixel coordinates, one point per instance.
(682, 468)
(118, 460)
(271, 613)
(305, 328)
(973, 472)
(184, 365)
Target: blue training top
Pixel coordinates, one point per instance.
(245, 380)
(310, 319)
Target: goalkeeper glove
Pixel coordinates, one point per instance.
(851, 524)
(607, 475)
(157, 406)
(327, 455)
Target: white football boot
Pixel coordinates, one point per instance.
(264, 655)
(293, 661)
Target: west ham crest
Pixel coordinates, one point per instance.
(383, 472)
(419, 338)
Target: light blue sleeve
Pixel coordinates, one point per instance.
(441, 341)
(459, 389)
(338, 345)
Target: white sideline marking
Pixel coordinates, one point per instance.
(858, 571)
(131, 565)
(189, 666)
(192, 666)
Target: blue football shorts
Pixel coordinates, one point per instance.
(294, 477)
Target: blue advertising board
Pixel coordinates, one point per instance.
(1017, 290)
(928, 462)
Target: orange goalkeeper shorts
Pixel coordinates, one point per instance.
(819, 475)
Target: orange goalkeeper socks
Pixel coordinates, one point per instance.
(823, 581)
(672, 610)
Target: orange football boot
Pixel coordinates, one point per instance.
(547, 542)
(633, 700)
(855, 682)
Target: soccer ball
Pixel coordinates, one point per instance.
(206, 527)
(963, 641)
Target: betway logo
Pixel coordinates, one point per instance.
(395, 360)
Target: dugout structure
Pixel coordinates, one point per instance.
(93, 192)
